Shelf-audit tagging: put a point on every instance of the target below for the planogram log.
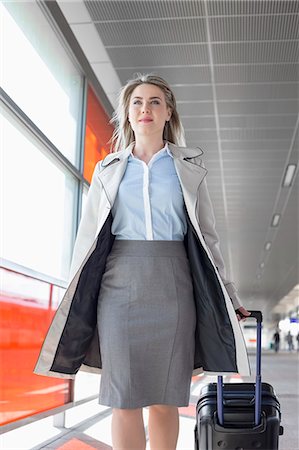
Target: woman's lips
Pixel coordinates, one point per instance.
(145, 120)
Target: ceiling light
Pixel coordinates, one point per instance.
(289, 175)
(268, 245)
(275, 220)
(262, 264)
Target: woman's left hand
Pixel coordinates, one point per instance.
(244, 312)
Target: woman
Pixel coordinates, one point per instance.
(148, 303)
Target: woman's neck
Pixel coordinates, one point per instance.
(146, 148)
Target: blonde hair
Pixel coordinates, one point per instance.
(123, 134)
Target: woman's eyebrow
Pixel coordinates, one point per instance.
(151, 98)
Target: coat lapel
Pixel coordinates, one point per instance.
(113, 169)
(190, 172)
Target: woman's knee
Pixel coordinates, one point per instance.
(163, 409)
(127, 413)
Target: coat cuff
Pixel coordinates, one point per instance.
(232, 292)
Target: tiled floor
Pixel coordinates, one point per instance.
(88, 426)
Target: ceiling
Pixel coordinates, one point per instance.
(233, 66)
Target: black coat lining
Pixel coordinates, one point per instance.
(215, 349)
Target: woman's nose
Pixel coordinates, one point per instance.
(145, 107)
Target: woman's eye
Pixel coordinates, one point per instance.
(138, 102)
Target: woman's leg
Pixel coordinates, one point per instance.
(128, 429)
(163, 427)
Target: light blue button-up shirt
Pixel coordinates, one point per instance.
(149, 204)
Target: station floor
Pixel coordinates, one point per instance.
(88, 426)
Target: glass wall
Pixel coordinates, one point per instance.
(39, 198)
(38, 74)
(27, 307)
(42, 184)
(38, 203)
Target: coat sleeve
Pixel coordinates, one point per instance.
(87, 229)
(207, 223)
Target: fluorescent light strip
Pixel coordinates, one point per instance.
(268, 245)
(289, 175)
(275, 220)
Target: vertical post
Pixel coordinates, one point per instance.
(220, 400)
(59, 420)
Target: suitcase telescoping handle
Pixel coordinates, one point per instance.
(258, 381)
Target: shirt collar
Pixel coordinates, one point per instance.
(168, 149)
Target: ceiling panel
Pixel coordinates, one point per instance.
(258, 107)
(258, 121)
(192, 93)
(269, 175)
(241, 134)
(195, 109)
(150, 32)
(198, 122)
(132, 10)
(257, 91)
(250, 163)
(263, 145)
(202, 134)
(256, 73)
(159, 56)
(233, 66)
(190, 75)
(232, 7)
(256, 52)
(247, 158)
(254, 28)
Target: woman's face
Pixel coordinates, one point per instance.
(148, 111)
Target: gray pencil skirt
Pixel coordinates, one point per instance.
(146, 320)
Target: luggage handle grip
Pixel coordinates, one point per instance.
(253, 315)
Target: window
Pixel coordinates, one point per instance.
(38, 204)
(38, 74)
(26, 310)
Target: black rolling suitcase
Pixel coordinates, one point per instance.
(239, 416)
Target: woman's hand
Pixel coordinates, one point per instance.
(243, 312)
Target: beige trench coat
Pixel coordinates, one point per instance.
(101, 196)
